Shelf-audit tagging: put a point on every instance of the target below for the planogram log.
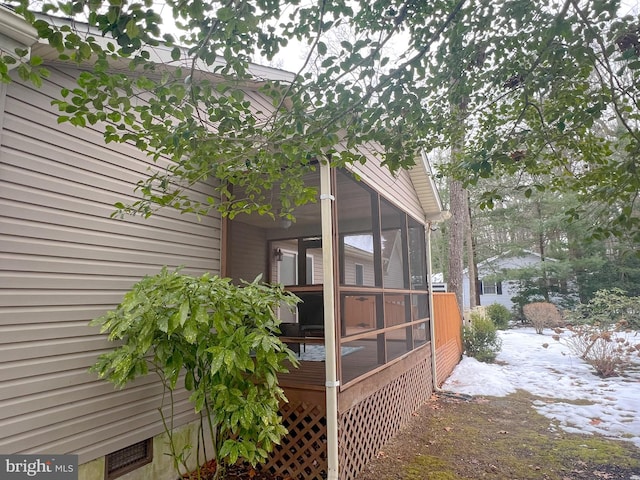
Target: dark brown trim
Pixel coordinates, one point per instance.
(225, 243)
(369, 333)
(376, 227)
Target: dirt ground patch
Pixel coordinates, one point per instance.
(455, 437)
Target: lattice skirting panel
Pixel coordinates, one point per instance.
(363, 429)
(303, 453)
(447, 357)
(368, 425)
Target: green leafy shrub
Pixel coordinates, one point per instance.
(601, 331)
(219, 340)
(481, 339)
(499, 315)
(541, 315)
(608, 307)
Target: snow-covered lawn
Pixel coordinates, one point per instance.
(571, 394)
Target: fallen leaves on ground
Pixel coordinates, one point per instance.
(234, 472)
(479, 438)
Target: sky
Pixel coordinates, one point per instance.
(292, 57)
(610, 407)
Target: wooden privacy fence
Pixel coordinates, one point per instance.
(448, 332)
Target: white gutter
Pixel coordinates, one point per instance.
(15, 33)
(331, 371)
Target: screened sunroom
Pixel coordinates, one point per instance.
(357, 258)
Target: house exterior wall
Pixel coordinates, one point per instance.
(509, 289)
(351, 260)
(161, 467)
(64, 261)
(495, 266)
(247, 252)
(316, 258)
(398, 188)
(394, 273)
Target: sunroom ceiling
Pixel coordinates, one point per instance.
(309, 214)
(420, 176)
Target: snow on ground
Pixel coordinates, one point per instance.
(570, 392)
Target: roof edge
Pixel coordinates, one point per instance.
(160, 55)
(430, 196)
(15, 33)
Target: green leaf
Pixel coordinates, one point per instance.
(237, 95)
(191, 331)
(132, 29)
(173, 322)
(346, 45)
(217, 360)
(225, 14)
(189, 380)
(85, 50)
(183, 312)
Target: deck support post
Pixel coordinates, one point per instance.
(441, 217)
(432, 328)
(331, 372)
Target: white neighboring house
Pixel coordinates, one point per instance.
(492, 291)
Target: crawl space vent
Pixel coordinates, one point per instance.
(129, 458)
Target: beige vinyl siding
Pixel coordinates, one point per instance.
(63, 262)
(393, 276)
(248, 252)
(317, 267)
(352, 258)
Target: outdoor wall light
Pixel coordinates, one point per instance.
(277, 254)
(285, 223)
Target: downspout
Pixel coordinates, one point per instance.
(432, 327)
(441, 217)
(331, 372)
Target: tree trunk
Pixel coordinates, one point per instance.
(474, 294)
(457, 207)
(541, 246)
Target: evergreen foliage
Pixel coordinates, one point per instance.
(217, 340)
(480, 339)
(499, 315)
(608, 308)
